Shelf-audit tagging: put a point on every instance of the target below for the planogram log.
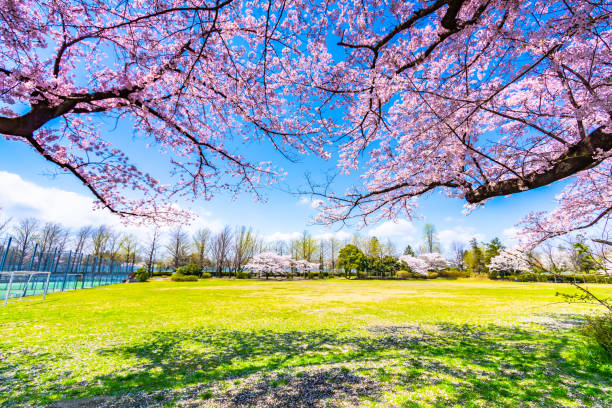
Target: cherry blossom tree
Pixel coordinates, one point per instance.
(416, 265)
(425, 263)
(270, 263)
(304, 266)
(475, 99)
(193, 78)
(435, 261)
(509, 261)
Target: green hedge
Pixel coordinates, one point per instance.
(179, 277)
(190, 269)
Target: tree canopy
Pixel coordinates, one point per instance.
(473, 98)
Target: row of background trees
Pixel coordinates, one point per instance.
(227, 251)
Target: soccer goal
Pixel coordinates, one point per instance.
(19, 284)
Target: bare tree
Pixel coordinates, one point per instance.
(307, 246)
(63, 239)
(201, 240)
(334, 247)
(220, 248)
(389, 248)
(244, 247)
(114, 245)
(178, 247)
(430, 239)
(25, 234)
(280, 247)
(49, 236)
(128, 248)
(4, 224)
(458, 250)
(151, 250)
(81, 237)
(99, 240)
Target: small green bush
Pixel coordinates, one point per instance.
(243, 275)
(451, 273)
(404, 274)
(205, 275)
(599, 328)
(141, 274)
(179, 277)
(313, 275)
(432, 275)
(190, 269)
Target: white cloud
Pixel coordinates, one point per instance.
(20, 198)
(340, 235)
(511, 234)
(398, 229)
(312, 202)
(459, 234)
(449, 219)
(283, 236)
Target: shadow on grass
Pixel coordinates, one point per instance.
(439, 365)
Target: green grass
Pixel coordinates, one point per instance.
(395, 343)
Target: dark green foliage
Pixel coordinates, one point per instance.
(408, 251)
(474, 259)
(205, 275)
(243, 275)
(492, 249)
(350, 257)
(586, 261)
(161, 273)
(190, 269)
(179, 277)
(385, 266)
(313, 275)
(142, 274)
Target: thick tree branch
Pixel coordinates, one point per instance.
(581, 156)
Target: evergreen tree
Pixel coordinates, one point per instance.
(409, 251)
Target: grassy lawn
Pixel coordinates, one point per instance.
(302, 343)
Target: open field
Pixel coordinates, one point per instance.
(302, 343)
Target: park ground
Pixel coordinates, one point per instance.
(223, 343)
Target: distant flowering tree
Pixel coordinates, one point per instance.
(270, 264)
(435, 261)
(304, 266)
(416, 265)
(509, 261)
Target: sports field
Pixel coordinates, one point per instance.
(302, 344)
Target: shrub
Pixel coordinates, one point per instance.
(313, 275)
(179, 277)
(243, 275)
(599, 328)
(190, 269)
(159, 273)
(451, 273)
(404, 274)
(205, 275)
(432, 275)
(141, 274)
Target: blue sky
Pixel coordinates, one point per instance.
(28, 186)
